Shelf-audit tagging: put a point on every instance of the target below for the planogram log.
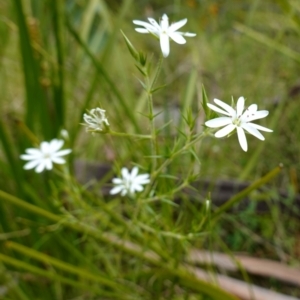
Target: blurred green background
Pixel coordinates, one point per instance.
(59, 58)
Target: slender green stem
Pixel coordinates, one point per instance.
(29, 207)
(150, 84)
(172, 192)
(37, 112)
(184, 277)
(15, 289)
(169, 160)
(180, 151)
(158, 69)
(165, 233)
(153, 131)
(8, 148)
(29, 267)
(62, 265)
(123, 134)
(239, 196)
(27, 132)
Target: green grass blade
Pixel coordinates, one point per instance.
(36, 105)
(48, 274)
(130, 248)
(265, 40)
(59, 97)
(241, 195)
(89, 96)
(106, 77)
(189, 95)
(13, 165)
(64, 266)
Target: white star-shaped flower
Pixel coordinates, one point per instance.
(238, 119)
(129, 183)
(43, 157)
(95, 119)
(164, 32)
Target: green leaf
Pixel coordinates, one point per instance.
(59, 93)
(189, 94)
(157, 89)
(37, 112)
(143, 59)
(168, 201)
(265, 40)
(204, 102)
(141, 70)
(10, 156)
(134, 53)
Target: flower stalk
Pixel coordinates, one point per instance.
(150, 85)
(239, 196)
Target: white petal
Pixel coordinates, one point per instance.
(146, 181)
(45, 146)
(225, 106)
(240, 106)
(225, 131)
(30, 156)
(63, 152)
(40, 168)
(219, 110)
(56, 145)
(218, 122)
(252, 108)
(242, 138)
(176, 37)
(58, 160)
(177, 25)
(48, 164)
(116, 190)
(140, 30)
(258, 115)
(137, 188)
(164, 23)
(154, 24)
(189, 34)
(142, 182)
(87, 118)
(124, 192)
(164, 44)
(147, 26)
(32, 164)
(141, 23)
(261, 127)
(134, 172)
(117, 181)
(125, 173)
(253, 131)
(33, 151)
(143, 179)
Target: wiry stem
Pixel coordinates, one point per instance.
(150, 86)
(185, 278)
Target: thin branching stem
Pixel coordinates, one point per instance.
(150, 85)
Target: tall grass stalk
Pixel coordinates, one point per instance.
(36, 102)
(184, 277)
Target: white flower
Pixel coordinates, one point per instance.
(130, 182)
(164, 32)
(237, 119)
(95, 119)
(44, 157)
